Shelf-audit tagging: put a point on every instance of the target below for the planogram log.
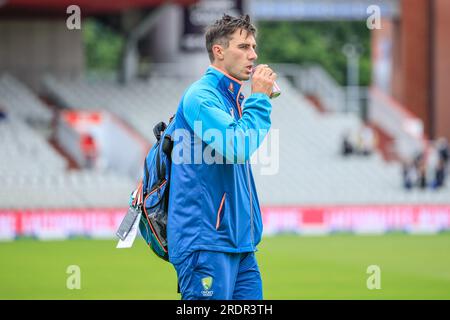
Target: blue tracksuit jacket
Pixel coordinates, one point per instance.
(215, 206)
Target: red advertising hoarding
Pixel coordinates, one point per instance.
(102, 223)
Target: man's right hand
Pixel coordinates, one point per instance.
(263, 79)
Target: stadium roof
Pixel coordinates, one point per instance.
(86, 6)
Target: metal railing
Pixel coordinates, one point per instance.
(406, 129)
(314, 80)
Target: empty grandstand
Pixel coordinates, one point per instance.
(18, 100)
(311, 168)
(32, 172)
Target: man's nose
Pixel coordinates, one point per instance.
(252, 55)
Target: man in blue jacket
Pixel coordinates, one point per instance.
(214, 218)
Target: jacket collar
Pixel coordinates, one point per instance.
(227, 83)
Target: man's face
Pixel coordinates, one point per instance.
(239, 57)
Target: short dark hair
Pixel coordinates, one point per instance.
(220, 31)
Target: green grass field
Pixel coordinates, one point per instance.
(292, 267)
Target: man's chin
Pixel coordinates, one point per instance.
(241, 76)
(245, 77)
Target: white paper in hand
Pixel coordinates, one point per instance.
(129, 239)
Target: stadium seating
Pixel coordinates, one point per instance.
(25, 150)
(140, 103)
(311, 170)
(17, 99)
(33, 174)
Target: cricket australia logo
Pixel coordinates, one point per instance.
(207, 284)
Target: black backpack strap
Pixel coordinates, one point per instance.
(167, 146)
(159, 129)
(145, 183)
(160, 168)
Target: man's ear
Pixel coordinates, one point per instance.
(217, 51)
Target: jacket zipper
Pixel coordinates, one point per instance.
(248, 178)
(251, 203)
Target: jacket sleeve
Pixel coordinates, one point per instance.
(235, 139)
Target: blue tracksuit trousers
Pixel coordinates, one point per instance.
(219, 276)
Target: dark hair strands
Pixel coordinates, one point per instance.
(220, 31)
